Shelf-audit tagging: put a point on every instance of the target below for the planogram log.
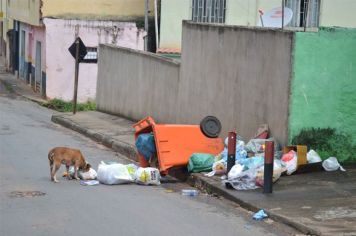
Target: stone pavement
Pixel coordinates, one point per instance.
(318, 203)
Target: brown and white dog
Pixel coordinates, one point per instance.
(69, 157)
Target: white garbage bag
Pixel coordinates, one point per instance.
(313, 156)
(148, 176)
(113, 174)
(89, 175)
(331, 164)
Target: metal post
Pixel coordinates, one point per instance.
(76, 76)
(156, 24)
(146, 23)
(306, 14)
(283, 14)
(231, 150)
(268, 168)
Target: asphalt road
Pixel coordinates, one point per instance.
(32, 205)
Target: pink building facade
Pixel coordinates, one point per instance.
(46, 64)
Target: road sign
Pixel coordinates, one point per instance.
(82, 49)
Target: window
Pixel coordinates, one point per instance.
(211, 11)
(302, 9)
(92, 55)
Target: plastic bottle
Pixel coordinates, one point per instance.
(190, 192)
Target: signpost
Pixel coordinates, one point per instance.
(78, 51)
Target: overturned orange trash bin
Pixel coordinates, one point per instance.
(176, 143)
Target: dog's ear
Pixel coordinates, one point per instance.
(88, 166)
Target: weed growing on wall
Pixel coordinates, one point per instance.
(328, 142)
(62, 106)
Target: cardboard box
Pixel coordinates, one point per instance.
(301, 151)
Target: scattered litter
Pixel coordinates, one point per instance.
(306, 207)
(313, 156)
(190, 192)
(276, 209)
(148, 176)
(331, 164)
(168, 191)
(89, 182)
(260, 215)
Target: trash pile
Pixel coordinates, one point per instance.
(115, 173)
(248, 170)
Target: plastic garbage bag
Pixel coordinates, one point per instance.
(260, 215)
(89, 175)
(113, 174)
(240, 150)
(257, 146)
(278, 169)
(244, 181)
(291, 160)
(200, 162)
(235, 171)
(148, 176)
(132, 168)
(331, 164)
(146, 146)
(219, 168)
(252, 162)
(313, 157)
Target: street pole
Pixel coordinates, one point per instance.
(146, 23)
(76, 76)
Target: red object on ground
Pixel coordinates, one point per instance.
(288, 156)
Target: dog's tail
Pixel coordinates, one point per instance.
(50, 156)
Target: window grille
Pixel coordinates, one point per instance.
(209, 11)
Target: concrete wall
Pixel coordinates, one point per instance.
(60, 34)
(137, 84)
(323, 92)
(240, 75)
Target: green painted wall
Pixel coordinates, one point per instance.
(323, 89)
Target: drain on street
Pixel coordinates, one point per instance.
(20, 194)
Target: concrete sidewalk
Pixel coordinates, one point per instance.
(319, 203)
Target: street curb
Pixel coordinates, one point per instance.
(203, 183)
(194, 179)
(120, 147)
(15, 90)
